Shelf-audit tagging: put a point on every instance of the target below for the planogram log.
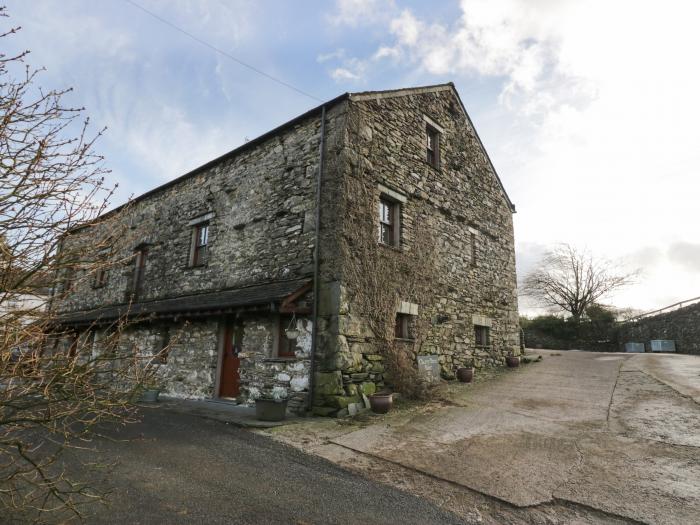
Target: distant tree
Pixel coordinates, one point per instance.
(573, 280)
(600, 314)
(50, 181)
(625, 314)
(552, 326)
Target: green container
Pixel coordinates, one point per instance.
(270, 409)
(150, 395)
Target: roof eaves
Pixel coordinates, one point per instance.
(400, 92)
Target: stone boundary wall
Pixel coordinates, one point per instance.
(682, 326)
(537, 340)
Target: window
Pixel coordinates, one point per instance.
(69, 279)
(139, 270)
(286, 347)
(163, 347)
(389, 222)
(404, 326)
(200, 242)
(432, 138)
(100, 278)
(481, 335)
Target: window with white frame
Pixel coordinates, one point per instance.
(200, 244)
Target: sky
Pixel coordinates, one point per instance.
(588, 109)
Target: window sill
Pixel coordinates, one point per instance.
(390, 246)
(280, 359)
(404, 340)
(196, 266)
(483, 347)
(437, 168)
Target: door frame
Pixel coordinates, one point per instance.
(234, 322)
(220, 336)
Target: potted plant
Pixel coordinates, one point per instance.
(292, 332)
(465, 374)
(270, 407)
(512, 360)
(381, 402)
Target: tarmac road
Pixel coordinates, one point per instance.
(178, 468)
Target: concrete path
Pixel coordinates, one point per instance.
(615, 432)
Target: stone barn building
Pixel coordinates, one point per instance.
(248, 269)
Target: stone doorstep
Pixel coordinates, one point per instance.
(224, 411)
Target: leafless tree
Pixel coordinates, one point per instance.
(573, 280)
(52, 396)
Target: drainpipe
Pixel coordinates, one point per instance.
(314, 308)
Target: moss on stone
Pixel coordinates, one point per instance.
(368, 388)
(329, 383)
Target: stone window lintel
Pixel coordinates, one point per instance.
(201, 218)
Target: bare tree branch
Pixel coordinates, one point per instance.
(572, 280)
(55, 391)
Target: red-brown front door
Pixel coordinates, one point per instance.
(230, 378)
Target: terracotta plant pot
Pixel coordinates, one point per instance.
(270, 409)
(381, 403)
(465, 375)
(512, 361)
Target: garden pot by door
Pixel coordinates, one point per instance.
(229, 381)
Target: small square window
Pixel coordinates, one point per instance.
(404, 326)
(200, 244)
(432, 138)
(482, 336)
(389, 220)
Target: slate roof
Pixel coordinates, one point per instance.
(262, 294)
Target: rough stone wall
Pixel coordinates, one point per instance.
(190, 369)
(264, 374)
(682, 326)
(262, 205)
(385, 142)
(262, 228)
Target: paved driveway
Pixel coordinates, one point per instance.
(179, 468)
(615, 432)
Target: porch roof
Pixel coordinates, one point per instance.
(201, 303)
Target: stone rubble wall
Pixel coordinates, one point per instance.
(190, 371)
(263, 374)
(681, 326)
(385, 143)
(262, 228)
(262, 203)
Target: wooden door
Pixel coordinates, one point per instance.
(229, 382)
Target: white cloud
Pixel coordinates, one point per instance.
(338, 54)
(387, 52)
(340, 74)
(596, 133)
(686, 255)
(359, 12)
